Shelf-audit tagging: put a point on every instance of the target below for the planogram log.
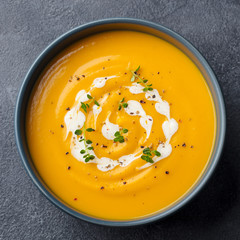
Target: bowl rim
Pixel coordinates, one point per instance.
(147, 219)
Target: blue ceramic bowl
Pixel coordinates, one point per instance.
(105, 25)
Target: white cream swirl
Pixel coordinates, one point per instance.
(75, 119)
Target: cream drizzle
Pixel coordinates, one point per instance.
(74, 119)
(98, 109)
(100, 82)
(134, 108)
(109, 129)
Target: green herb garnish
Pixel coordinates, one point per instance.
(85, 106)
(148, 154)
(122, 104)
(147, 87)
(118, 135)
(87, 142)
(90, 130)
(78, 132)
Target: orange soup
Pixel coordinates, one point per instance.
(120, 125)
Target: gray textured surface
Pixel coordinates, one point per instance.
(27, 27)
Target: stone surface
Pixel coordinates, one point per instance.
(27, 27)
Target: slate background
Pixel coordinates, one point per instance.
(27, 27)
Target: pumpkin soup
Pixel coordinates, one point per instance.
(120, 125)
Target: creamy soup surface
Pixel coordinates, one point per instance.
(120, 125)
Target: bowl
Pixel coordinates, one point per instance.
(105, 25)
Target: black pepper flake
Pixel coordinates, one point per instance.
(131, 113)
(142, 146)
(83, 76)
(157, 72)
(125, 73)
(141, 101)
(184, 145)
(124, 183)
(104, 146)
(78, 78)
(102, 188)
(62, 126)
(167, 172)
(96, 144)
(153, 96)
(105, 78)
(68, 108)
(155, 176)
(67, 153)
(69, 167)
(103, 68)
(119, 93)
(191, 146)
(155, 167)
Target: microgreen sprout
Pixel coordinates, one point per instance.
(118, 135)
(87, 143)
(85, 106)
(122, 104)
(147, 87)
(148, 154)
